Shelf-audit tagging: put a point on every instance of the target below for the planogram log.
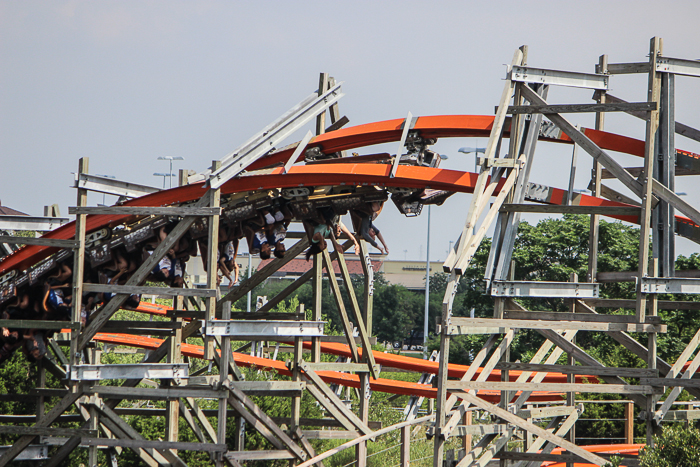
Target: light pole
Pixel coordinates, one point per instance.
(161, 174)
(476, 152)
(427, 291)
(105, 176)
(171, 159)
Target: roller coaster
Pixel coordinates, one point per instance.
(59, 293)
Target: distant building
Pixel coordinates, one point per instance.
(5, 211)
(410, 274)
(6, 248)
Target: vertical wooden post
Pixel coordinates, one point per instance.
(40, 383)
(321, 119)
(172, 407)
(499, 307)
(663, 217)
(571, 396)
(182, 177)
(654, 95)
(317, 286)
(441, 399)
(405, 446)
(224, 360)
(365, 393)
(94, 425)
(596, 175)
(317, 279)
(528, 438)
(629, 423)
(78, 269)
(652, 399)
(212, 269)
(467, 443)
(296, 376)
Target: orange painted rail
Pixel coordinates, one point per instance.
(342, 174)
(344, 379)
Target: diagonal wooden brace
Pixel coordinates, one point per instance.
(360, 322)
(347, 325)
(525, 425)
(339, 405)
(255, 415)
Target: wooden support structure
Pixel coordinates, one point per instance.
(505, 178)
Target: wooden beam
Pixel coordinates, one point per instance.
(563, 316)
(160, 445)
(575, 108)
(130, 432)
(136, 289)
(198, 211)
(622, 303)
(52, 242)
(458, 387)
(38, 324)
(556, 209)
(457, 415)
(155, 393)
(625, 68)
(581, 370)
(45, 431)
(473, 325)
(259, 455)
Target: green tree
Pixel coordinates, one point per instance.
(677, 446)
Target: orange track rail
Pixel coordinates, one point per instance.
(343, 174)
(629, 449)
(380, 384)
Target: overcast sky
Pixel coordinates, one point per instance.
(123, 82)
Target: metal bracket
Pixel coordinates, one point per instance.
(675, 285)
(110, 186)
(500, 162)
(544, 289)
(678, 66)
(525, 74)
(129, 371)
(294, 119)
(263, 330)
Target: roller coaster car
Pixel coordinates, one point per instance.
(418, 152)
(315, 154)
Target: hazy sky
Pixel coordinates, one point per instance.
(124, 82)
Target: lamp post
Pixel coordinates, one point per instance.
(427, 291)
(105, 176)
(171, 159)
(161, 174)
(476, 152)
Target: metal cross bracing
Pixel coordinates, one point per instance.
(327, 181)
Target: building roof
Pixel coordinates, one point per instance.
(5, 211)
(299, 266)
